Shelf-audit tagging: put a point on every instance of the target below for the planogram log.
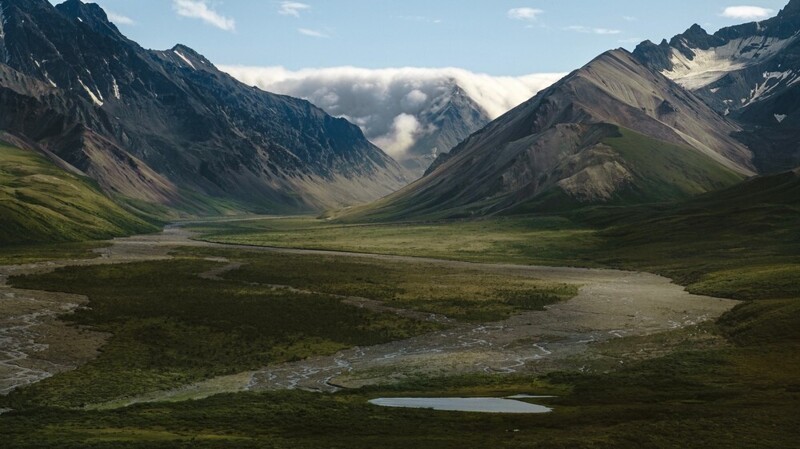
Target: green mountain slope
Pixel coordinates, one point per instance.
(624, 168)
(655, 171)
(741, 242)
(41, 203)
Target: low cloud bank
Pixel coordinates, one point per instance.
(387, 103)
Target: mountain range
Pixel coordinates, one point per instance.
(167, 130)
(749, 72)
(692, 115)
(168, 127)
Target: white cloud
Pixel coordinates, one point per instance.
(199, 9)
(119, 19)
(405, 131)
(293, 8)
(383, 102)
(629, 19)
(747, 12)
(528, 14)
(312, 33)
(589, 30)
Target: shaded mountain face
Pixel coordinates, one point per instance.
(154, 125)
(750, 72)
(613, 131)
(449, 120)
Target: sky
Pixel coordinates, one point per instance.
(498, 37)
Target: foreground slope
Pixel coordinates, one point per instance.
(40, 202)
(593, 137)
(153, 124)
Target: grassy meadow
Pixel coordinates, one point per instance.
(732, 383)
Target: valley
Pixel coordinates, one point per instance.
(603, 255)
(456, 331)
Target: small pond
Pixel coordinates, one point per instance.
(476, 405)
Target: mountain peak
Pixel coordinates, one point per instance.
(792, 9)
(90, 14)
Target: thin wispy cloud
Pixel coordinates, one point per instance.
(590, 30)
(313, 33)
(293, 9)
(199, 9)
(527, 14)
(119, 19)
(629, 18)
(747, 12)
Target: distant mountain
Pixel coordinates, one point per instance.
(613, 131)
(167, 126)
(449, 119)
(750, 72)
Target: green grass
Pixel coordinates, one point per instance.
(667, 172)
(459, 293)
(549, 240)
(741, 242)
(735, 396)
(15, 255)
(741, 390)
(41, 203)
(169, 328)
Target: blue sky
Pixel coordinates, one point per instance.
(499, 37)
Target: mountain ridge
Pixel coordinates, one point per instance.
(174, 111)
(561, 142)
(750, 72)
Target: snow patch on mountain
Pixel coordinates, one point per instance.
(771, 81)
(116, 89)
(96, 98)
(185, 59)
(708, 66)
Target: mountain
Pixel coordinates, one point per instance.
(41, 202)
(449, 119)
(750, 72)
(613, 131)
(168, 126)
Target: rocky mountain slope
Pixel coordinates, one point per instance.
(612, 131)
(750, 72)
(167, 126)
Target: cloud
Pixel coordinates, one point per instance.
(293, 8)
(747, 12)
(630, 19)
(529, 14)
(199, 9)
(404, 132)
(313, 33)
(589, 30)
(383, 102)
(119, 19)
